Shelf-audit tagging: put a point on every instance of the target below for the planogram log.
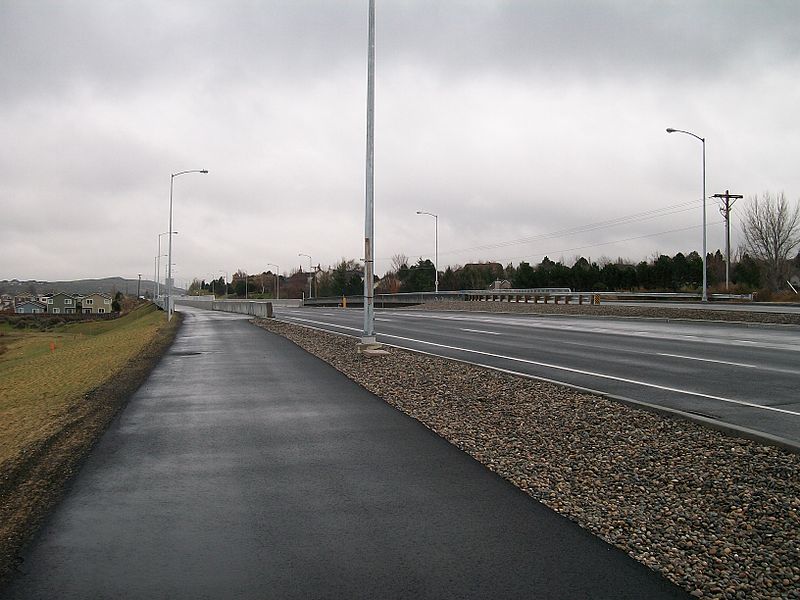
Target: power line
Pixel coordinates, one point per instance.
(639, 237)
(557, 252)
(586, 228)
(576, 230)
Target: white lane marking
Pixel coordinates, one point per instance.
(480, 331)
(571, 370)
(720, 362)
(382, 319)
(538, 322)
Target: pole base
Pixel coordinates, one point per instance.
(369, 347)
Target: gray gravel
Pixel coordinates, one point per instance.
(717, 515)
(611, 310)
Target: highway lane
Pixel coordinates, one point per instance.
(745, 376)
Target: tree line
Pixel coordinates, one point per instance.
(663, 273)
(770, 231)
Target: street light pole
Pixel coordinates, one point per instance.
(139, 287)
(169, 260)
(436, 239)
(277, 280)
(369, 211)
(158, 262)
(309, 271)
(703, 141)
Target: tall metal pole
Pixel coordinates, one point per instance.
(169, 254)
(277, 280)
(369, 213)
(705, 270)
(158, 262)
(705, 251)
(158, 267)
(310, 275)
(155, 275)
(436, 246)
(139, 287)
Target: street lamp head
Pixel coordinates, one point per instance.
(419, 212)
(204, 171)
(671, 130)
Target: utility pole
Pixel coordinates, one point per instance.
(139, 287)
(728, 201)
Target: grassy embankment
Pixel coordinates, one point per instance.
(59, 389)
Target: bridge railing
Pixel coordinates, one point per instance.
(527, 295)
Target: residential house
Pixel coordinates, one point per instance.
(61, 303)
(6, 302)
(96, 304)
(30, 307)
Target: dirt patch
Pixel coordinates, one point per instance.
(32, 485)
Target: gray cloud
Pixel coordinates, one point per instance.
(510, 119)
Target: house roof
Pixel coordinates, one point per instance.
(38, 304)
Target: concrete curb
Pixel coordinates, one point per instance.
(726, 428)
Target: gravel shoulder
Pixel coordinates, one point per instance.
(611, 310)
(717, 515)
(31, 487)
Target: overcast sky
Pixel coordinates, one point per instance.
(515, 121)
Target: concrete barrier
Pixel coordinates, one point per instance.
(243, 307)
(287, 302)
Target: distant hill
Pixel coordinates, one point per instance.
(107, 285)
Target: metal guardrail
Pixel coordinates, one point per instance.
(530, 295)
(676, 296)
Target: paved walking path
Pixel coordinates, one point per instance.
(246, 468)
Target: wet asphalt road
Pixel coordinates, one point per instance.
(746, 376)
(246, 468)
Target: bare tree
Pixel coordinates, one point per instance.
(399, 260)
(771, 229)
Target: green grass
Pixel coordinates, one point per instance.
(44, 376)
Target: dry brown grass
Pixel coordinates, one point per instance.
(39, 387)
